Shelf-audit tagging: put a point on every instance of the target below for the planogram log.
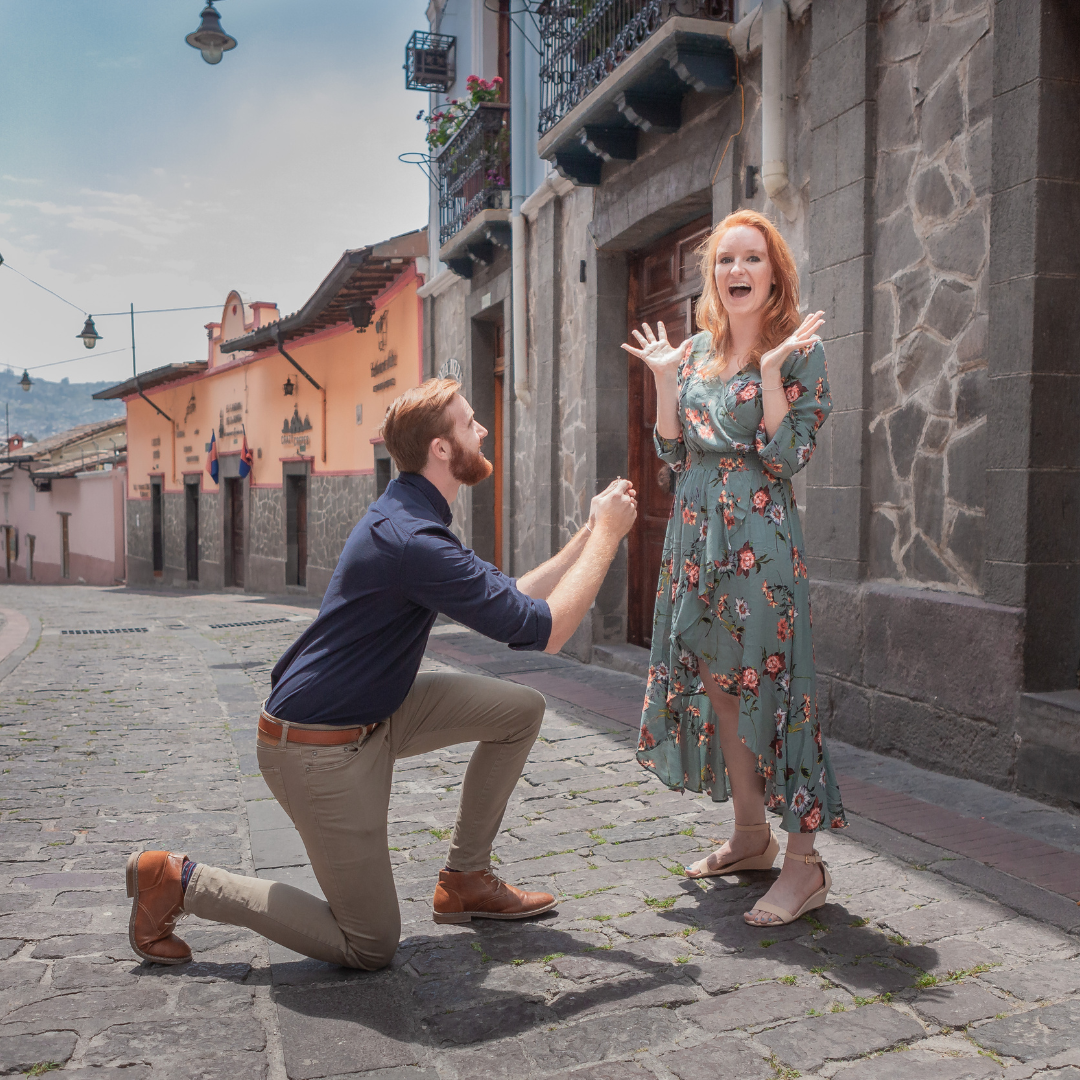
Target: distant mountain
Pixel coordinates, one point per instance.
(51, 407)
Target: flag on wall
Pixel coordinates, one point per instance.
(247, 458)
(211, 459)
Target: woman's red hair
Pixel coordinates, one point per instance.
(781, 315)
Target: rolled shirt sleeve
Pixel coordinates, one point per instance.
(437, 572)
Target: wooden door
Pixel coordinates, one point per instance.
(156, 537)
(664, 284)
(235, 495)
(296, 530)
(497, 445)
(191, 538)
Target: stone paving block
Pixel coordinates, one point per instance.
(482, 1023)
(228, 1047)
(808, 1044)
(1037, 982)
(1039, 1033)
(131, 1072)
(906, 1064)
(652, 923)
(671, 849)
(10, 946)
(722, 973)
(595, 1040)
(91, 1004)
(662, 988)
(35, 925)
(272, 848)
(943, 957)
(532, 870)
(854, 941)
(1026, 939)
(868, 978)
(945, 919)
(582, 968)
(113, 945)
(353, 1027)
(753, 1006)
(612, 1070)
(22, 973)
(719, 1059)
(959, 1004)
(264, 814)
(20, 1053)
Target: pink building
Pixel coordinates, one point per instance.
(62, 507)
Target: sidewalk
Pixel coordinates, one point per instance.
(140, 739)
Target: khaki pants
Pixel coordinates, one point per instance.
(338, 796)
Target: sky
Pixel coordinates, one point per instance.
(133, 172)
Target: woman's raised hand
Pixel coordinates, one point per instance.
(660, 356)
(801, 339)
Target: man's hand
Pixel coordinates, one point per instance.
(614, 510)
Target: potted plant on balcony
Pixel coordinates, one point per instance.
(445, 121)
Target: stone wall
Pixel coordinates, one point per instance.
(930, 305)
(335, 505)
(266, 544)
(140, 564)
(450, 339)
(211, 541)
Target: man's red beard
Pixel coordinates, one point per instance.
(468, 468)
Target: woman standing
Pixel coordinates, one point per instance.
(731, 705)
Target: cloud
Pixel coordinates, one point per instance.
(20, 179)
(127, 215)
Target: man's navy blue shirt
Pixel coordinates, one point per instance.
(401, 567)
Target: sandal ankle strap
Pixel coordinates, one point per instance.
(763, 827)
(808, 859)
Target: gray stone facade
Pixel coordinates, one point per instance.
(335, 505)
(935, 148)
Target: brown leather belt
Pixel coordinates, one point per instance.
(314, 737)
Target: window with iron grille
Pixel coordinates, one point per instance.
(429, 62)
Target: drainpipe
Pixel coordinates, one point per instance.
(518, 151)
(774, 173)
(321, 389)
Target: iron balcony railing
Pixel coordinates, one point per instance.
(473, 169)
(584, 41)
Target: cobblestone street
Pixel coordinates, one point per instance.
(932, 960)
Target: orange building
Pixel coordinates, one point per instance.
(307, 394)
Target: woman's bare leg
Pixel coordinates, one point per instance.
(747, 786)
(798, 880)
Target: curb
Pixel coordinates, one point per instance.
(18, 639)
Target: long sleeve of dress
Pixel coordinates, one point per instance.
(805, 379)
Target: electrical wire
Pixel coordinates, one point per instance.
(40, 286)
(107, 314)
(158, 311)
(56, 363)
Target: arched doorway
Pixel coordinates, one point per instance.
(664, 283)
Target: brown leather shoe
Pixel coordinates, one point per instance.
(157, 902)
(480, 894)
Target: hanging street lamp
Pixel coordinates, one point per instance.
(25, 382)
(289, 387)
(210, 39)
(90, 336)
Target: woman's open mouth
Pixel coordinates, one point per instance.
(739, 290)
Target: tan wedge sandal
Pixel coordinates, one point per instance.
(816, 899)
(710, 866)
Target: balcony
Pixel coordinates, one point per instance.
(473, 172)
(614, 68)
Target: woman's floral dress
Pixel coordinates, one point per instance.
(733, 590)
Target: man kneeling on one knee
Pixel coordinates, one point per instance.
(347, 702)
